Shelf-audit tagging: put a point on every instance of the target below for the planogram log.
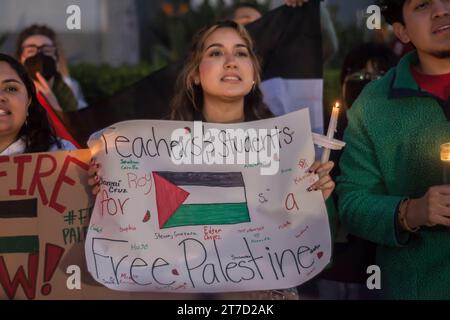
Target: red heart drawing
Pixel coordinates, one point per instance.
(147, 216)
(175, 272)
(319, 254)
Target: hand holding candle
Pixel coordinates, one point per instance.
(331, 130)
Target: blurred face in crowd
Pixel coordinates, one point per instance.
(246, 15)
(226, 70)
(427, 26)
(14, 102)
(33, 44)
(356, 81)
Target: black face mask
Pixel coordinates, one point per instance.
(41, 63)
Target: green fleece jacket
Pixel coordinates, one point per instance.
(393, 137)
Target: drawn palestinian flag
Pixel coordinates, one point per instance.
(21, 234)
(200, 198)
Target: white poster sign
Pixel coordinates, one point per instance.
(180, 210)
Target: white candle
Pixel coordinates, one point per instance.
(331, 130)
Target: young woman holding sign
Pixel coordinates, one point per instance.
(220, 83)
(24, 126)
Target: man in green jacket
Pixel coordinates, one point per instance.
(391, 189)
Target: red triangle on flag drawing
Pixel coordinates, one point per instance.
(169, 198)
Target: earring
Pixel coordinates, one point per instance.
(26, 120)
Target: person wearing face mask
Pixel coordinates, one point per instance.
(37, 51)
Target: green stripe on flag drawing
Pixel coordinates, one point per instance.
(209, 214)
(19, 244)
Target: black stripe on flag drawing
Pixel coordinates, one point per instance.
(18, 209)
(13, 209)
(287, 39)
(200, 198)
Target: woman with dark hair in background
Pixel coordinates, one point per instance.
(24, 126)
(364, 63)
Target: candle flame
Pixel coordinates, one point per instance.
(336, 105)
